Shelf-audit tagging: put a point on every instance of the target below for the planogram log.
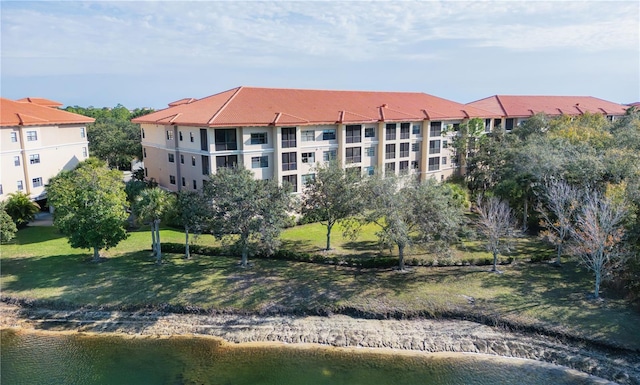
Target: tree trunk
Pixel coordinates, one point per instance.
(495, 261)
(329, 237)
(153, 238)
(187, 254)
(245, 252)
(401, 256)
(158, 245)
(525, 218)
(596, 291)
(558, 261)
(96, 254)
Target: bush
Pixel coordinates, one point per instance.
(21, 209)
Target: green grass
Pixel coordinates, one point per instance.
(39, 264)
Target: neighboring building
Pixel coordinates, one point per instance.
(282, 133)
(37, 141)
(513, 110)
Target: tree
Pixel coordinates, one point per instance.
(466, 141)
(21, 209)
(561, 201)
(598, 234)
(8, 228)
(408, 211)
(332, 196)
(251, 210)
(89, 206)
(496, 224)
(192, 213)
(152, 205)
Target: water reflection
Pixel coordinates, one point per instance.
(54, 358)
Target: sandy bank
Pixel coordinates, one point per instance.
(340, 331)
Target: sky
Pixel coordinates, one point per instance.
(150, 53)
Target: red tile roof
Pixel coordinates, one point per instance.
(41, 101)
(14, 113)
(251, 106)
(523, 106)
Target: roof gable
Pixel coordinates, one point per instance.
(14, 113)
(524, 106)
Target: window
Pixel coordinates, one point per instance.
(84, 152)
(404, 150)
(497, 123)
(390, 151)
(370, 132)
(172, 179)
(226, 161)
(329, 155)
(171, 158)
(404, 167)
(289, 161)
(508, 124)
(391, 131)
(260, 161)
(370, 170)
(226, 140)
(487, 125)
(146, 172)
(289, 137)
(14, 137)
(353, 155)
(456, 127)
(191, 138)
(444, 160)
(205, 164)
(354, 134)
(404, 130)
(195, 185)
(308, 136)
(181, 159)
(193, 160)
(370, 151)
(434, 163)
(308, 157)
(434, 147)
(37, 182)
(144, 152)
(307, 178)
(82, 132)
(20, 186)
(184, 182)
(445, 144)
(390, 167)
(415, 147)
(180, 137)
(34, 158)
(32, 136)
(1, 192)
(16, 160)
(328, 134)
(435, 129)
(415, 165)
(142, 131)
(291, 180)
(170, 137)
(416, 129)
(259, 138)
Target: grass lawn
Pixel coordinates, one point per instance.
(39, 264)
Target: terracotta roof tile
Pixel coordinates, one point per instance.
(251, 106)
(14, 113)
(523, 106)
(41, 101)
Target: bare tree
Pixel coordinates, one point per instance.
(561, 201)
(496, 223)
(597, 236)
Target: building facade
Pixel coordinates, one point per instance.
(282, 134)
(37, 141)
(515, 109)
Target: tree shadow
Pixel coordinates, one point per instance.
(36, 234)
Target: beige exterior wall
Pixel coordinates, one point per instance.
(261, 149)
(43, 151)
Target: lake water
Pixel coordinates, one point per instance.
(62, 358)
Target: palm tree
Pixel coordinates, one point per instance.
(152, 205)
(21, 209)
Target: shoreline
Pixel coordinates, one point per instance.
(342, 331)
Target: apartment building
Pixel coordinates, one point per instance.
(37, 141)
(282, 133)
(515, 109)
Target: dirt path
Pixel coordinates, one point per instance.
(340, 331)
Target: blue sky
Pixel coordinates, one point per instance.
(149, 53)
